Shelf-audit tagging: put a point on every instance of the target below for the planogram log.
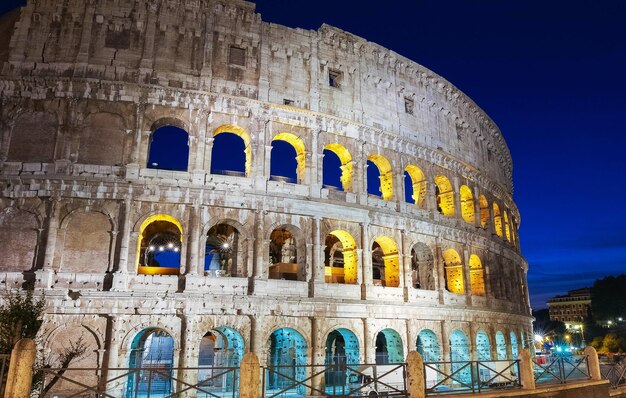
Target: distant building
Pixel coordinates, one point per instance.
(572, 309)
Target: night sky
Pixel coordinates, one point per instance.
(551, 75)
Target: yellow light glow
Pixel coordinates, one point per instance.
(467, 204)
(234, 129)
(477, 278)
(484, 210)
(155, 270)
(507, 229)
(445, 195)
(390, 258)
(298, 145)
(346, 164)
(386, 177)
(497, 219)
(348, 249)
(418, 180)
(454, 272)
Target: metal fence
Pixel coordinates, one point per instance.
(615, 373)
(146, 382)
(336, 380)
(470, 376)
(561, 368)
(4, 370)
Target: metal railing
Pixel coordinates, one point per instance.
(147, 382)
(615, 373)
(335, 380)
(470, 376)
(561, 368)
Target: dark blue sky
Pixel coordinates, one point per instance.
(551, 75)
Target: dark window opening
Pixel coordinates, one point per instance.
(331, 174)
(334, 78)
(237, 56)
(169, 149)
(409, 105)
(288, 102)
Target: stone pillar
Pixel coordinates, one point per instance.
(51, 237)
(526, 376)
(593, 364)
(476, 207)
(208, 154)
(259, 267)
(445, 346)
(457, 197)
(440, 269)
(431, 199)
(416, 386)
(147, 61)
(466, 275)
(317, 261)
(473, 348)
(194, 242)
(367, 278)
(20, 375)
(399, 188)
(401, 264)
(137, 145)
(250, 376)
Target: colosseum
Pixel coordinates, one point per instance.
(186, 183)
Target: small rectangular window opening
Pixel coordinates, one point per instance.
(409, 105)
(289, 102)
(237, 56)
(334, 78)
(489, 155)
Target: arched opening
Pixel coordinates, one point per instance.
(159, 245)
(231, 154)
(221, 347)
(428, 346)
(454, 272)
(385, 263)
(484, 211)
(444, 195)
(389, 347)
(483, 346)
(169, 149)
(152, 352)
(514, 351)
(342, 348)
(459, 356)
(337, 167)
(18, 240)
(500, 346)
(497, 219)
(284, 256)
(477, 277)
(286, 361)
(221, 254)
(415, 186)
(340, 260)
(288, 159)
(379, 177)
(422, 267)
(507, 229)
(467, 204)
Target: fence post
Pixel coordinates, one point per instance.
(526, 374)
(20, 376)
(249, 376)
(593, 364)
(415, 375)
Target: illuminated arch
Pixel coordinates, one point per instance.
(428, 346)
(477, 278)
(169, 148)
(219, 348)
(483, 346)
(286, 253)
(341, 258)
(507, 229)
(484, 210)
(459, 356)
(298, 146)
(287, 350)
(418, 185)
(243, 134)
(514, 348)
(346, 164)
(151, 348)
(342, 348)
(500, 346)
(386, 177)
(445, 195)
(467, 204)
(422, 267)
(454, 272)
(497, 219)
(389, 347)
(159, 235)
(385, 253)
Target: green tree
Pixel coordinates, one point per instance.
(608, 301)
(20, 316)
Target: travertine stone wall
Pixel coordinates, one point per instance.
(86, 83)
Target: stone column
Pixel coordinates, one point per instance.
(147, 60)
(51, 237)
(82, 56)
(125, 239)
(466, 275)
(138, 142)
(399, 188)
(415, 375)
(457, 197)
(317, 261)
(194, 242)
(431, 198)
(445, 346)
(401, 264)
(472, 346)
(367, 277)
(476, 207)
(259, 240)
(440, 269)
(208, 153)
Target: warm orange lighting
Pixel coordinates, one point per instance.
(445, 195)
(298, 146)
(454, 272)
(346, 164)
(418, 181)
(497, 219)
(467, 204)
(386, 177)
(477, 278)
(234, 129)
(390, 258)
(484, 210)
(350, 263)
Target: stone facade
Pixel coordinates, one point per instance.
(85, 84)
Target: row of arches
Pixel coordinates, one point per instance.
(231, 155)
